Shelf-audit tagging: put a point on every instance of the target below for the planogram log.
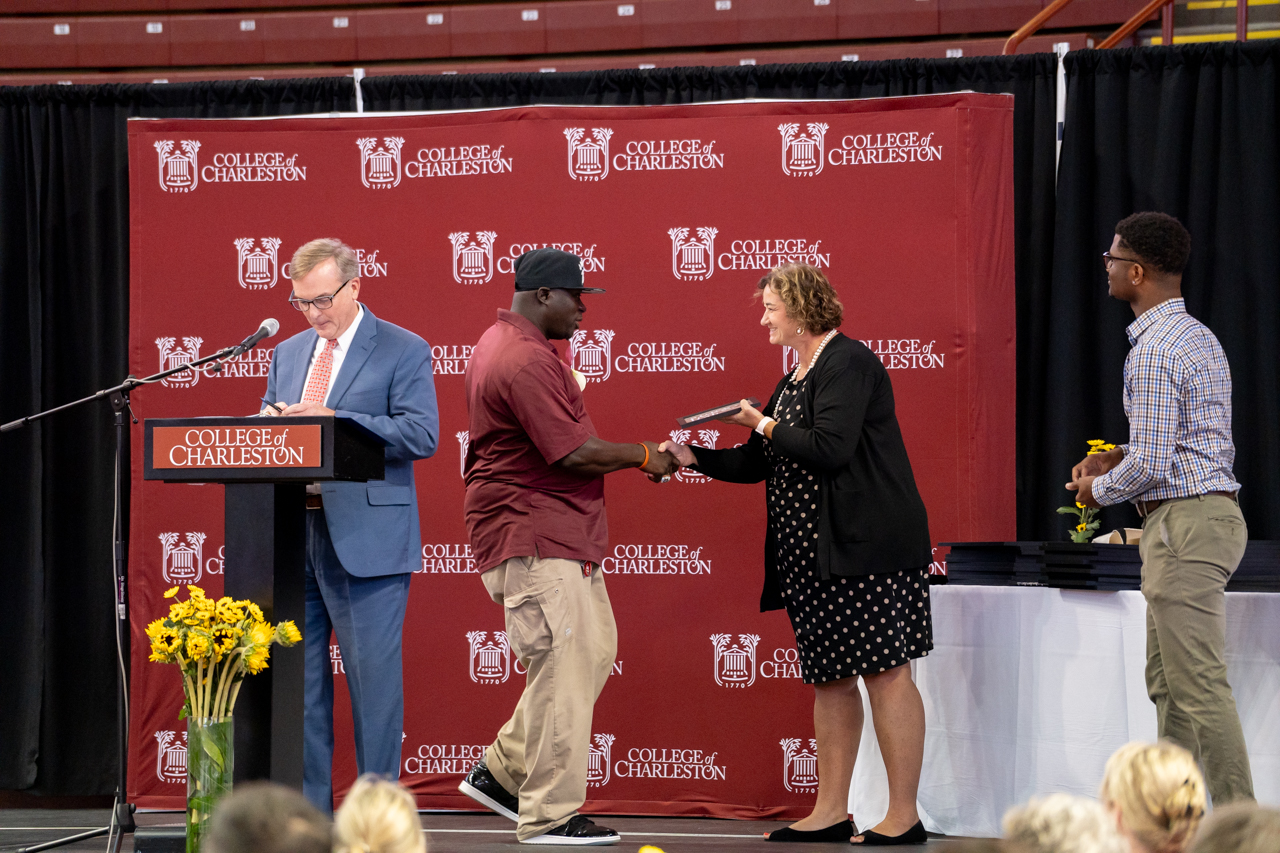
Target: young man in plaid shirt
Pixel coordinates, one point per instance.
(1176, 469)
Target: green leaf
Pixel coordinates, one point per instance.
(1068, 510)
(212, 749)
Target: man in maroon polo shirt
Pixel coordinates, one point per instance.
(535, 514)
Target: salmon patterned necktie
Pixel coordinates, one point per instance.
(318, 384)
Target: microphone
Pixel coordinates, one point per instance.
(268, 328)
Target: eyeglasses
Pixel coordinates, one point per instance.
(322, 302)
(1107, 258)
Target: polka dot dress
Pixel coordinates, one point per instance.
(845, 626)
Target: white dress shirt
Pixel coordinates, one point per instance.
(339, 353)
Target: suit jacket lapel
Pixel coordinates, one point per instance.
(301, 364)
(361, 347)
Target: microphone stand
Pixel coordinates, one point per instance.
(121, 809)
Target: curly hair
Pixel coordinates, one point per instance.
(1062, 823)
(1158, 791)
(809, 298)
(1158, 239)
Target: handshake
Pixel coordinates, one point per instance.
(663, 460)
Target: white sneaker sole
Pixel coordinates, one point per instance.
(488, 802)
(561, 841)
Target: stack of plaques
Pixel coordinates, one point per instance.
(992, 563)
(1070, 565)
(1259, 570)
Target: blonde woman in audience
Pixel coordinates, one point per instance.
(1156, 794)
(1062, 823)
(1239, 828)
(378, 816)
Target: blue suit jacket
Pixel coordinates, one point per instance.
(385, 385)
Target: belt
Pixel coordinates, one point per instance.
(315, 502)
(1145, 508)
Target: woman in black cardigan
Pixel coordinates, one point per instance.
(847, 548)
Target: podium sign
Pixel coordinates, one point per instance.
(266, 465)
(260, 450)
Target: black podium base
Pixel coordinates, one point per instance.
(265, 563)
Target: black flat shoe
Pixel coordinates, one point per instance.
(841, 831)
(914, 835)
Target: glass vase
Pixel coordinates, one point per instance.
(210, 763)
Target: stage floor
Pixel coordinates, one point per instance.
(446, 833)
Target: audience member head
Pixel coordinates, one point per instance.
(1062, 823)
(262, 817)
(1157, 795)
(378, 816)
(1239, 828)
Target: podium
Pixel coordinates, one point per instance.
(266, 465)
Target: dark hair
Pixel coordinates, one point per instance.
(262, 817)
(1158, 239)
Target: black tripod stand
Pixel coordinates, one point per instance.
(121, 810)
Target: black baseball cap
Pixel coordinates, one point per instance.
(552, 268)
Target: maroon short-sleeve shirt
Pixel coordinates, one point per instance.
(525, 413)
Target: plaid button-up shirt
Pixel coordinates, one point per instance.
(1177, 396)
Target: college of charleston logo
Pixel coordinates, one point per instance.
(259, 267)
(464, 442)
(735, 663)
(588, 156)
(592, 358)
(473, 259)
(490, 659)
(802, 153)
(171, 757)
(172, 355)
(799, 766)
(179, 171)
(693, 258)
(380, 162)
(706, 438)
(599, 757)
(182, 562)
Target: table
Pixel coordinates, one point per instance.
(1029, 690)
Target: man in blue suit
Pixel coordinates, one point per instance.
(363, 541)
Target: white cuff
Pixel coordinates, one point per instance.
(764, 422)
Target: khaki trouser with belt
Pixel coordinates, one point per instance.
(560, 625)
(1190, 547)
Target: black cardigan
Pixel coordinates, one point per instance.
(870, 515)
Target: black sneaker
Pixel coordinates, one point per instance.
(484, 789)
(579, 832)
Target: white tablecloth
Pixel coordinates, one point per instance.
(1029, 690)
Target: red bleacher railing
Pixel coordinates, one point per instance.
(1129, 27)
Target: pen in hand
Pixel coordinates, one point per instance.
(273, 405)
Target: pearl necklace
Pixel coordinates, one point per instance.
(831, 334)
(787, 388)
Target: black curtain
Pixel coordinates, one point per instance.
(1030, 79)
(1194, 132)
(64, 317)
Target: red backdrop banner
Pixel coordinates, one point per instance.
(905, 203)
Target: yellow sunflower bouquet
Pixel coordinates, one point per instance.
(1086, 516)
(215, 644)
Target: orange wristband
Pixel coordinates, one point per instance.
(646, 454)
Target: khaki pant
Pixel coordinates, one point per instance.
(1190, 547)
(561, 629)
